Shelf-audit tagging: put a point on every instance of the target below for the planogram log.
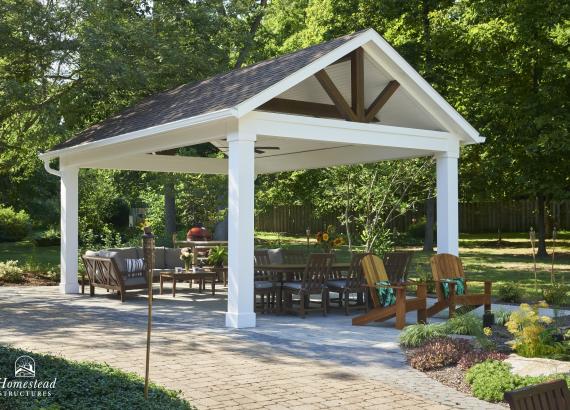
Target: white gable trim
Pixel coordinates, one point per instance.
(388, 59)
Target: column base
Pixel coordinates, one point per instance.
(240, 320)
(68, 288)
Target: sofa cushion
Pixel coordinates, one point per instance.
(91, 253)
(134, 281)
(159, 257)
(121, 255)
(172, 258)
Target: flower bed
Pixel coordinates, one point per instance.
(477, 365)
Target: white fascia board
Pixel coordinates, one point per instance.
(297, 76)
(164, 163)
(388, 59)
(141, 134)
(344, 132)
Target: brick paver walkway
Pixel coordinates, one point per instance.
(284, 363)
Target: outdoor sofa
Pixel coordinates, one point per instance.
(121, 269)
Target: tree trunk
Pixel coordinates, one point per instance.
(430, 218)
(540, 227)
(244, 52)
(169, 208)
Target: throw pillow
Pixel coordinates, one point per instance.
(386, 294)
(134, 265)
(459, 286)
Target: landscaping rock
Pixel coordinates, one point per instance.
(535, 366)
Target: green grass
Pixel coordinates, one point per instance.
(85, 385)
(483, 259)
(32, 258)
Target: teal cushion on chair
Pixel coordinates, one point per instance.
(459, 286)
(386, 295)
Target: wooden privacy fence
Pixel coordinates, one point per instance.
(480, 217)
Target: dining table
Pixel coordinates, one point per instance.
(287, 270)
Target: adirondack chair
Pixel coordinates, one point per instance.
(445, 267)
(374, 272)
(551, 395)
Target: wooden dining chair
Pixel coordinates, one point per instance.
(396, 264)
(446, 269)
(294, 257)
(313, 282)
(265, 285)
(353, 283)
(553, 395)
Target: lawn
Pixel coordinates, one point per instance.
(82, 385)
(30, 257)
(483, 259)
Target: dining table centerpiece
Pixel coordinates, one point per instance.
(329, 239)
(186, 257)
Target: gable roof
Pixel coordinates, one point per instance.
(213, 94)
(237, 92)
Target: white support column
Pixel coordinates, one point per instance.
(447, 203)
(241, 177)
(69, 229)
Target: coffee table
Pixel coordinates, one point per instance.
(199, 277)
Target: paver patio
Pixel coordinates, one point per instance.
(285, 362)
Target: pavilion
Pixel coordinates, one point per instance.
(350, 100)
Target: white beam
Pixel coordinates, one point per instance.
(69, 229)
(164, 163)
(345, 132)
(328, 157)
(241, 178)
(447, 203)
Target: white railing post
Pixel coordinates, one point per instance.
(69, 229)
(241, 177)
(447, 203)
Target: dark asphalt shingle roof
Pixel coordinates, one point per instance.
(216, 93)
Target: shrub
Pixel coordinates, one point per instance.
(439, 353)
(556, 294)
(14, 226)
(502, 317)
(427, 278)
(478, 356)
(510, 292)
(10, 272)
(50, 237)
(491, 379)
(417, 335)
(531, 336)
(108, 388)
(466, 324)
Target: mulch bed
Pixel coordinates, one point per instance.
(32, 279)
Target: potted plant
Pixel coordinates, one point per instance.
(218, 256)
(186, 257)
(329, 239)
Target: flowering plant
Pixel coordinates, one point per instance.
(329, 239)
(186, 257)
(532, 337)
